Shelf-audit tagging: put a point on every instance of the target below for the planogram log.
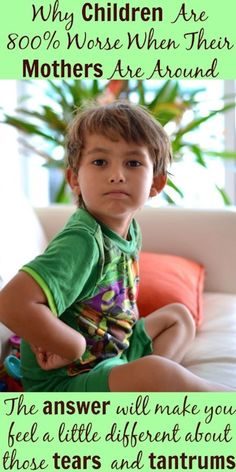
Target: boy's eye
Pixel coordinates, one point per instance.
(134, 163)
(99, 162)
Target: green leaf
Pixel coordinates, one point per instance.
(53, 120)
(36, 150)
(224, 196)
(57, 88)
(171, 184)
(198, 153)
(28, 128)
(222, 154)
(55, 164)
(166, 112)
(168, 104)
(47, 115)
(191, 94)
(167, 93)
(168, 198)
(197, 122)
(62, 196)
(74, 91)
(95, 88)
(141, 92)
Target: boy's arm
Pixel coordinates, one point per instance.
(24, 310)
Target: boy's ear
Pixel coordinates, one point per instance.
(72, 179)
(159, 182)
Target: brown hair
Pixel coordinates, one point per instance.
(120, 118)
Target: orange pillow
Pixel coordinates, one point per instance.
(168, 279)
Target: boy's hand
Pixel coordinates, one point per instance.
(48, 360)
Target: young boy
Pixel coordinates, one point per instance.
(75, 305)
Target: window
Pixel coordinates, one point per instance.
(10, 165)
(217, 134)
(197, 183)
(230, 141)
(20, 173)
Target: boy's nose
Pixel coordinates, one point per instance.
(115, 180)
(116, 176)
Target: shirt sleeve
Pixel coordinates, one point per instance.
(67, 270)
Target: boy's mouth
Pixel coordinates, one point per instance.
(118, 193)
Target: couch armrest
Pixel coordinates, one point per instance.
(5, 334)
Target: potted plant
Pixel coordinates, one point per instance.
(48, 124)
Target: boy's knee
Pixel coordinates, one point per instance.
(174, 314)
(185, 319)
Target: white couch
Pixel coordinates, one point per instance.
(207, 236)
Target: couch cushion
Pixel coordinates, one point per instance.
(212, 354)
(168, 279)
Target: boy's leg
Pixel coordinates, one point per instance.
(157, 374)
(172, 329)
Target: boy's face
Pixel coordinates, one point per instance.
(115, 179)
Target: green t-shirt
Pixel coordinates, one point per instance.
(89, 275)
